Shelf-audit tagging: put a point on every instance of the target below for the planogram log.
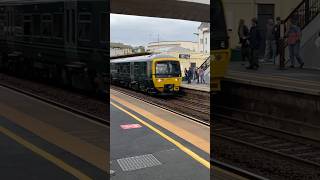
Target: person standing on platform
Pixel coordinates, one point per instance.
(254, 43)
(276, 31)
(294, 38)
(189, 75)
(201, 73)
(186, 74)
(197, 75)
(317, 42)
(270, 42)
(243, 33)
(194, 71)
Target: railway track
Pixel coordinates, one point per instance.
(195, 107)
(263, 150)
(71, 102)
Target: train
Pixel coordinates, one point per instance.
(59, 41)
(154, 74)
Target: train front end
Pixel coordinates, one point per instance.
(166, 75)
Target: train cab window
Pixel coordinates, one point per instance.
(18, 25)
(103, 29)
(46, 25)
(58, 25)
(167, 69)
(36, 24)
(84, 27)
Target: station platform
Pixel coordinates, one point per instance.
(306, 81)
(41, 141)
(195, 86)
(151, 143)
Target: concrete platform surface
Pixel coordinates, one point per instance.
(175, 163)
(305, 81)
(169, 160)
(73, 134)
(195, 86)
(25, 155)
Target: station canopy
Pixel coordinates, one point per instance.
(193, 10)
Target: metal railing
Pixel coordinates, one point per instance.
(304, 13)
(206, 64)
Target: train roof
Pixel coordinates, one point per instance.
(141, 58)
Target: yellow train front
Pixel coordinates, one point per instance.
(154, 74)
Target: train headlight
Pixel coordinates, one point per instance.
(176, 79)
(159, 80)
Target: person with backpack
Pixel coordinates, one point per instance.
(294, 37)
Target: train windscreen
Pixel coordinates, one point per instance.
(168, 69)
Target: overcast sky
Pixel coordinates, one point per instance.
(138, 30)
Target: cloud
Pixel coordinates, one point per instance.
(138, 30)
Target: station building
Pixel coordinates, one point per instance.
(187, 57)
(119, 49)
(204, 38)
(163, 45)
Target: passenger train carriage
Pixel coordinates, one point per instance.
(154, 74)
(60, 41)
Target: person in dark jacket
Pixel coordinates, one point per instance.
(277, 30)
(243, 33)
(190, 75)
(254, 42)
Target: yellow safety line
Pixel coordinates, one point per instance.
(176, 143)
(66, 167)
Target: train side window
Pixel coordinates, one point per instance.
(73, 21)
(140, 69)
(58, 25)
(36, 24)
(103, 29)
(84, 26)
(2, 24)
(46, 25)
(27, 25)
(18, 25)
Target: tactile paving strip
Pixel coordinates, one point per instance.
(138, 162)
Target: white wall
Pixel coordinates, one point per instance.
(119, 52)
(204, 41)
(309, 52)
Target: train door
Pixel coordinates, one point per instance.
(70, 42)
(132, 64)
(70, 11)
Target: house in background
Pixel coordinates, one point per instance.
(120, 49)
